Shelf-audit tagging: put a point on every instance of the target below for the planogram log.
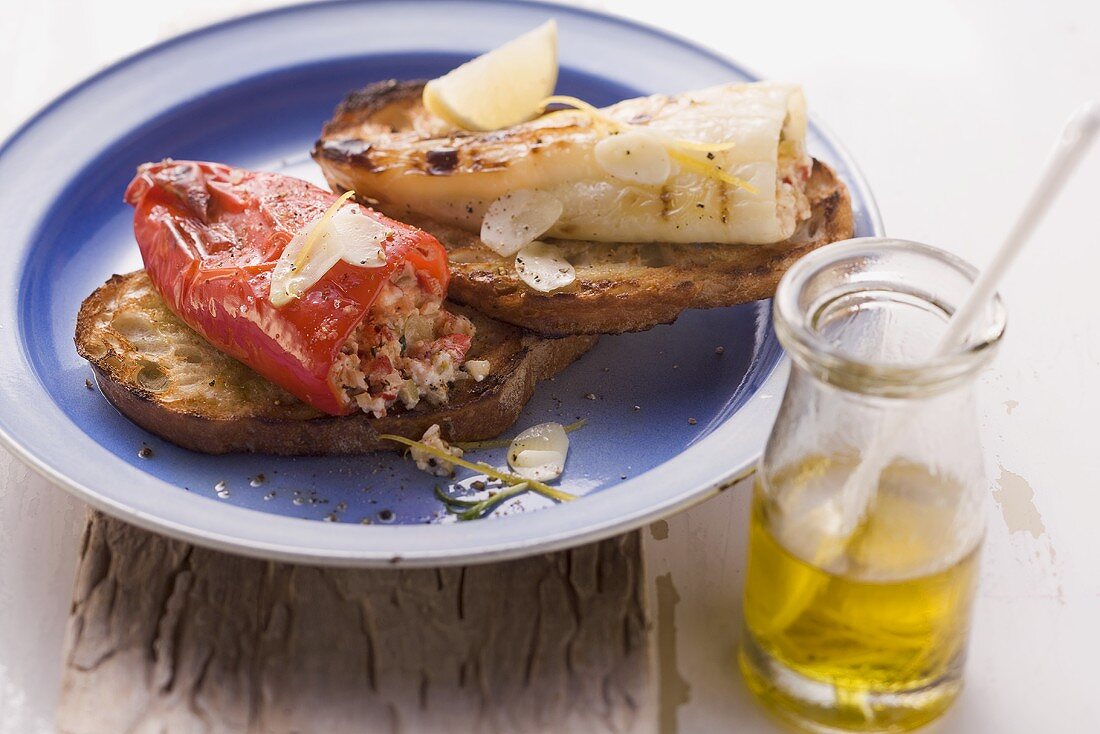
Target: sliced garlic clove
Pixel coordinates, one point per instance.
(517, 219)
(636, 156)
(543, 267)
(477, 369)
(531, 458)
(360, 238)
(539, 452)
(290, 280)
(347, 235)
(550, 436)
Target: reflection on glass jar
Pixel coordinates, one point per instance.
(857, 598)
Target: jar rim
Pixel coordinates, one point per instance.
(811, 350)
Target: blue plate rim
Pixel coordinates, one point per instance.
(694, 486)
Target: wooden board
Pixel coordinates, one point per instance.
(168, 637)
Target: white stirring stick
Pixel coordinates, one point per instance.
(856, 494)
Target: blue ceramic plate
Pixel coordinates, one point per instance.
(253, 92)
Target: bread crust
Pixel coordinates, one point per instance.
(172, 382)
(649, 284)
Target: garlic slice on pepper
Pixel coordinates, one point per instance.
(345, 234)
(539, 452)
(543, 267)
(517, 219)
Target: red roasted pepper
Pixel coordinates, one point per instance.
(210, 236)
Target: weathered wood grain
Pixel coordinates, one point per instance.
(166, 637)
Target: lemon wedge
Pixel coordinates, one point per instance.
(503, 87)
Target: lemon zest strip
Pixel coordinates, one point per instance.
(709, 169)
(675, 146)
(577, 103)
(582, 106)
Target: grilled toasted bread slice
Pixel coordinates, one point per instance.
(619, 287)
(172, 382)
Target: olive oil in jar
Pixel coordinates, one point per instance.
(858, 588)
(873, 626)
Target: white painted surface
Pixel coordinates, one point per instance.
(950, 109)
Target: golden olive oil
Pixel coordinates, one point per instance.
(865, 632)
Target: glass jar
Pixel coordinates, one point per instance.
(858, 592)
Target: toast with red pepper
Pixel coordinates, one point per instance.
(171, 381)
(273, 316)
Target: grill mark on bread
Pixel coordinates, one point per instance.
(442, 161)
(371, 99)
(830, 205)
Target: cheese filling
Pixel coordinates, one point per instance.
(408, 350)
